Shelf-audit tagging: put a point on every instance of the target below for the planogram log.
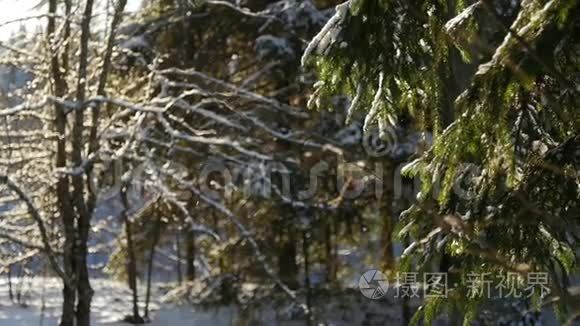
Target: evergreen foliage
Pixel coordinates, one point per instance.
(500, 185)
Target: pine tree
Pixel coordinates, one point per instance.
(496, 83)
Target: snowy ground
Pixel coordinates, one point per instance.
(111, 303)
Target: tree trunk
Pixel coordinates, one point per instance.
(305, 245)
(85, 292)
(154, 242)
(287, 266)
(329, 251)
(131, 260)
(68, 306)
(386, 214)
(190, 254)
(459, 77)
(10, 292)
(20, 284)
(178, 253)
(62, 186)
(132, 269)
(216, 227)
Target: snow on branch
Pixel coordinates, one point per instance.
(198, 108)
(22, 107)
(102, 99)
(36, 215)
(210, 140)
(460, 20)
(245, 233)
(328, 34)
(237, 91)
(243, 11)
